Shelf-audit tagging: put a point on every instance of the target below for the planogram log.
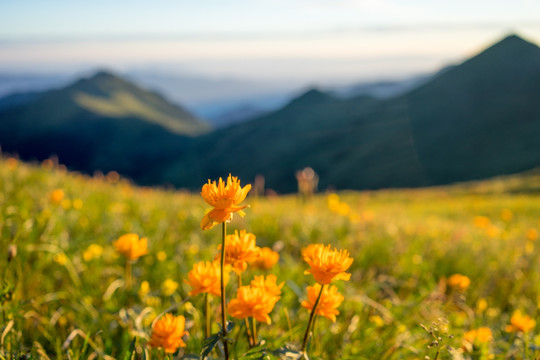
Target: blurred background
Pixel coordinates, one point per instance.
(216, 64)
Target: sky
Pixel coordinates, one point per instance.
(264, 40)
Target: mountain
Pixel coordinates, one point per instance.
(225, 112)
(18, 99)
(315, 129)
(380, 89)
(481, 118)
(477, 119)
(102, 122)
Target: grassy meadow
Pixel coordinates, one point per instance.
(63, 293)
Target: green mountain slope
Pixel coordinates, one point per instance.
(474, 120)
(102, 122)
(359, 143)
(481, 118)
(108, 96)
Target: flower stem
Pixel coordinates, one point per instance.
(223, 308)
(310, 322)
(127, 275)
(246, 321)
(254, 323)
(207, 314)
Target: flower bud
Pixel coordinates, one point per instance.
(11, 252)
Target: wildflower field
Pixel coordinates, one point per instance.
(95, 267)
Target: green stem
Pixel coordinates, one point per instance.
(127, 277)
(207, 314)
(254, 323)
(246, 321)
(223, 308)
(310, 322)
(437, 353)
(512, 340)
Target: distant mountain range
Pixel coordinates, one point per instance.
(28, 82)
(474, 120)
(219, 101)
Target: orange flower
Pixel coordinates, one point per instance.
(507, 215)
(167, 333)
(252, 301)
(532, 234)
(240, 249)
(459, 282)
(266, 259)
(327, 264)
(479, 336)
(205, 278)
(330, 301)
(520, 323)
(56, 196)
(270, 287)
(131, 246)
(224, 199)
(481, 222)
(11, 163)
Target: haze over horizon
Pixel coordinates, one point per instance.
(298, 41)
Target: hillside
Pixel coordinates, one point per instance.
(98, 123)
(406, 245)
(481, 118)
(474, 120)
(108, 96)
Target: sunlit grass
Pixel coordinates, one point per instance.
(63, 291)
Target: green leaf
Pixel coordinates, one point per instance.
(295, 288)
(6, 291)
(131, 352)
(259, 352)
(288, 353)
(209, 344)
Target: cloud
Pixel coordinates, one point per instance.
(371, 6)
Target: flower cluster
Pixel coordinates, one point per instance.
(326, 264)
(253, 302)
(236, 252)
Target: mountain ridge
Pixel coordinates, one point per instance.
(124, 133)
(473, 120)
(406, 141)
